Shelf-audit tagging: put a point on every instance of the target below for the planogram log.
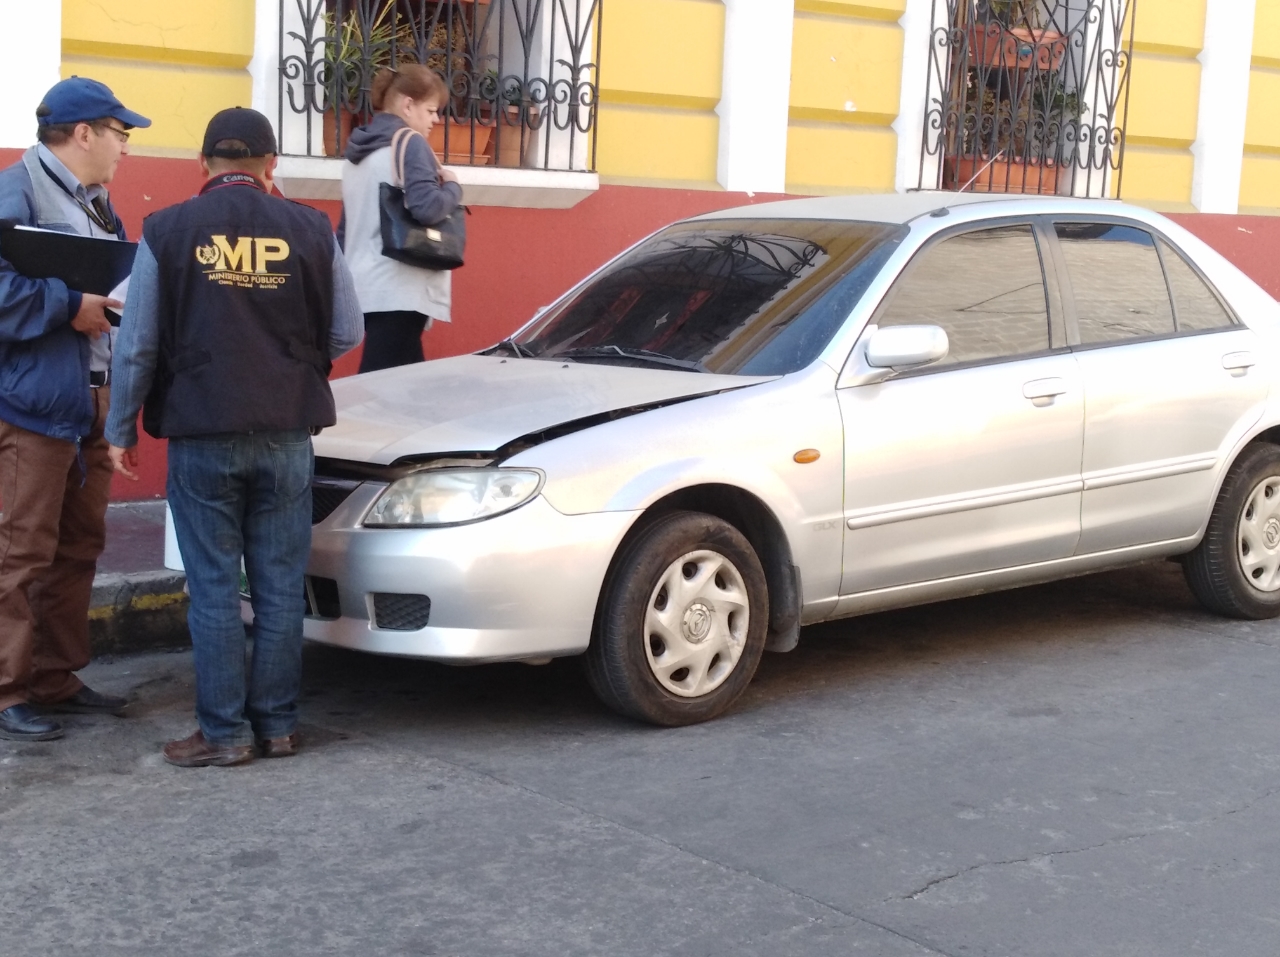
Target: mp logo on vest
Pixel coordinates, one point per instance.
(246, 264)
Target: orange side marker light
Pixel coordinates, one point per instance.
(805, 456)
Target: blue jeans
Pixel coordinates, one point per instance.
(247, 495)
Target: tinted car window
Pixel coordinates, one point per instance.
(741, 296)
(1195, 306)
(1117, 282)
(985, 288)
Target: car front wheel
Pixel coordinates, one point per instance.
(682, 625)
(1235, 570)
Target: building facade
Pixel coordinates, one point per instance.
(592, 122)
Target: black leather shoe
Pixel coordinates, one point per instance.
(86, 701)
(22, 723)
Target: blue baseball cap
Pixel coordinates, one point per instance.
(81, 100)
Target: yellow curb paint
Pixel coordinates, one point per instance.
(154, 602)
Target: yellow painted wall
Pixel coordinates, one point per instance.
(846, 73)
(175, 62)
(1260, 176)
(662, 61)
(661, 68)
(1163, 103)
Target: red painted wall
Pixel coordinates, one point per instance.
(519, 259)
(1251, 242)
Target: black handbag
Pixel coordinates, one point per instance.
(404, 239)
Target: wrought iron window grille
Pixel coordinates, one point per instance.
(523, 75)
(1027, 96)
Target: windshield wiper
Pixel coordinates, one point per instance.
(522, 352)
(641, 355)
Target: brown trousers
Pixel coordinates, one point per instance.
(51, 534)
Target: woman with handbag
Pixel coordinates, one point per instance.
(398, 299)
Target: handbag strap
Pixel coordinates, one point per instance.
(399, 146)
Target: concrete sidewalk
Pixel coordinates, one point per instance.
(137, 604)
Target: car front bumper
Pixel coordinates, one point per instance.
(521, 585)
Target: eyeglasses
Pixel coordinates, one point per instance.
(123, 134)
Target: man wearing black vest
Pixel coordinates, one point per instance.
(238, 302)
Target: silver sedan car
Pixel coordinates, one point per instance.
(771, 416)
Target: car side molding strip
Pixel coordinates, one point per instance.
(1106, 478)
(1011, 494)
(926, 508)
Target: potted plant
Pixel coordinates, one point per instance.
(460, 138)
(350, 59)
(354, 52)
(1013, 35)
(514, 118)
(460, 151)
(1022, 146)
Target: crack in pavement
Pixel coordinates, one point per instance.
(727, 868)
(917, 894)
(1113, 842)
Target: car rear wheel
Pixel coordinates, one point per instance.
(1235, 570)
(682, 625)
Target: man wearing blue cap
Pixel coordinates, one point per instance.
(55, 472)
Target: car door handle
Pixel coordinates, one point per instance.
(1238, 363)
(1044, 389)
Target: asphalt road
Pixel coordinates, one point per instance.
(1088, 768)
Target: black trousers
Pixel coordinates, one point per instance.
(392, 339)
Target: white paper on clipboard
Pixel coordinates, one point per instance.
(119, 293)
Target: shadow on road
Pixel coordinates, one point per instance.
(833, 657)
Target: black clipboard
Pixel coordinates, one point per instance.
(84, 263)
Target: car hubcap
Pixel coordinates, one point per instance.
(1259, 535)
(696, 623)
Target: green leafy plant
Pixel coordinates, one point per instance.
(494, 92)
(1016, 13)
(354, 51)
(1036, 122)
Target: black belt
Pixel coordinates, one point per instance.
(98, 379)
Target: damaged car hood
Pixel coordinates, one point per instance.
(478, 403)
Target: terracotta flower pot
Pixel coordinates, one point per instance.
(504, 144)
(1001, 175)
(460, 143)
(1016, 47)
(347, 121)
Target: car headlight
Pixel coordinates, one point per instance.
(452, 496)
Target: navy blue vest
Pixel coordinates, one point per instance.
(246, 303)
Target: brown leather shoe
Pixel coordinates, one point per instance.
(196, 752)
(285, 747)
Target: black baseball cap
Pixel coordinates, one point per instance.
(239, 123)
(79, 99)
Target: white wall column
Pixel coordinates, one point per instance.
(29, 65)
(296, 132)
(265, 65)
(1224, 105)
(917, 34)
(755, 95)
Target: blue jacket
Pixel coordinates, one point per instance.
(44, 363)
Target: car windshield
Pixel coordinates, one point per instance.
(739, 297)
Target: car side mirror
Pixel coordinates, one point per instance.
(906, 347)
